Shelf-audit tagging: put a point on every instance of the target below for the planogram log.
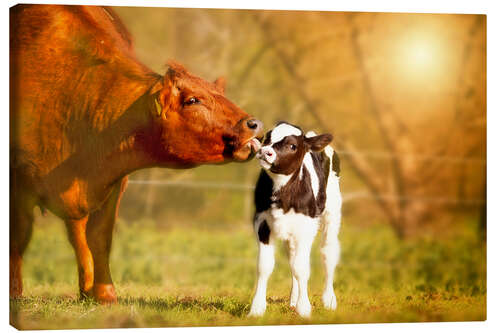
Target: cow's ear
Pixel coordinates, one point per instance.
(318, 142)
(165, 92)
(220, 83)
(158, 97)
(174, 72)
(171, 76)
(156, 87)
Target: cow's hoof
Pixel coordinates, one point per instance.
(86, 295)
(105, 293)
(15, 293)
(15, 290)
(15, 284)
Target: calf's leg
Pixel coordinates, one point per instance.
(294, 292)
(300, 250)
(99, 235)
(265, 266)
(330, 253)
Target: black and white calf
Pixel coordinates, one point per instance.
(297, 193)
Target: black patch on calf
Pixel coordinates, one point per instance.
(326, 166)
(319, 142)
(267, 138)
(298, 194)
(321, 163)
(336, 163)
(263, 192)
(264, 232)
(288, 160)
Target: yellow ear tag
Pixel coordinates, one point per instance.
(158, 107)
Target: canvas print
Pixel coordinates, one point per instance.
(219, 167)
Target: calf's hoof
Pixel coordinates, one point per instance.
(303, 309)
(329, 300)
(257, 310)
(105, 293)
(293, 301)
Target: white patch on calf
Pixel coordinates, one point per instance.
(310, 134)
(279, 180)
(266, 156)
(329, 152)
(309, 165)
(333, 195)
(292, 225)
(283, 130)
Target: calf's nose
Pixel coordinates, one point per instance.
(254, 124)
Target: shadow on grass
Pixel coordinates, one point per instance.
(38, 306)
(232, 306)
(61, 300)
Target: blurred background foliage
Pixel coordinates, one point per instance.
(403, 94)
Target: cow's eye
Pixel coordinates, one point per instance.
(293, 147)
(191, 101)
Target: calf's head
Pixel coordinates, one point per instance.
(284, 147)
(197, 124)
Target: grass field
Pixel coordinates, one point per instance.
(205, 277)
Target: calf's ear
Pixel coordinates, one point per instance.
(318, 142)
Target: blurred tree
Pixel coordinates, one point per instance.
(412, 190)
(403, 94)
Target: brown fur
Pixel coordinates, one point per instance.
(85, 113)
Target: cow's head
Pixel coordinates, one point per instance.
(284, 147)
(197, 124)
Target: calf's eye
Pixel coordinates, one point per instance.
(191, 101)
(293, 147)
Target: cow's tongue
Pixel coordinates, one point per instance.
(255, 144)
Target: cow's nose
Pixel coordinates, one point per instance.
(254, 124)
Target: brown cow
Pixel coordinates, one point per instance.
(84, 113)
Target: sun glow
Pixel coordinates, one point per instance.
(420, 56)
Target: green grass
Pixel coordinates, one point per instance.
(199, 277)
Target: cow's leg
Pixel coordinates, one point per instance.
(300, 250)
(265, 266)
(100, 234)
(21, 222)
(330, 252)
(77, 237)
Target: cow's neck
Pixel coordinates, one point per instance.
(124, 136)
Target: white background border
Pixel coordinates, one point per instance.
(416, 6)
